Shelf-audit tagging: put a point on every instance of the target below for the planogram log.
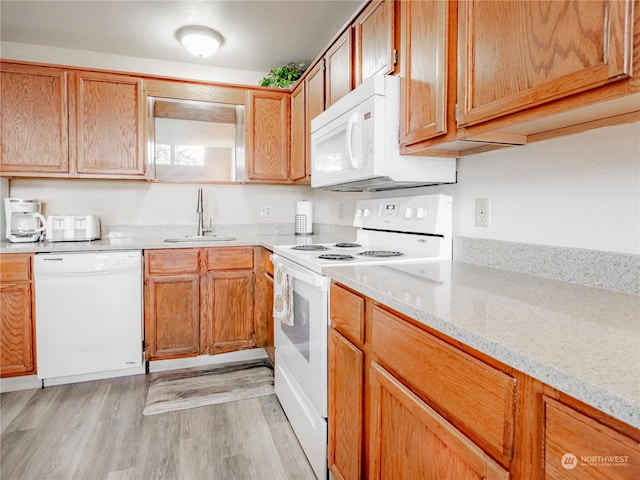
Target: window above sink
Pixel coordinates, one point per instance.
(196, 141)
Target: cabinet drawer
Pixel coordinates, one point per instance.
(346, 311)
(476, 398)
(15, 267)
(171, 262)
(230, 258)
(595, 451)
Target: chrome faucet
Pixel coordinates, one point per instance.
(200, 210)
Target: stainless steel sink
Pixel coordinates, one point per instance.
(200, 238)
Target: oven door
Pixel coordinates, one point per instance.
(303, 346)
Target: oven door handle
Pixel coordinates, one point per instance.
(311, 278)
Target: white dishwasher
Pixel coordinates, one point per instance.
(88, 315)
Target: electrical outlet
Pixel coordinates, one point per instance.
(483, 212)
(265, 210)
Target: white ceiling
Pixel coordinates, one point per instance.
(258, 35)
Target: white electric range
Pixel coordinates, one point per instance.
(394, 231)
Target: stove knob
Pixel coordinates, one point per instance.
(358, 212)
(408, 213)
(421, 213)
(366, 213)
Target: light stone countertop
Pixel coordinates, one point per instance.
(153, 241)
(581, 340)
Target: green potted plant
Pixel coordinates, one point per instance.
(284, 76)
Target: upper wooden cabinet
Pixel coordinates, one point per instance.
(299, 170)
(110, 118)
(339, 68)
(516, 55)
(424, 63)
(375, 40)
(268, 148)
(59, 122)
(17, 341)
(34, 130)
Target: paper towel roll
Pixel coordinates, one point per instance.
(304, 217)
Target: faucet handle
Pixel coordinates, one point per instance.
(209, 228)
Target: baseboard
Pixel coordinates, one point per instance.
(87, 377)
(14, 384)
(239, 356)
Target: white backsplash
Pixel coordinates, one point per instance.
(142, 203)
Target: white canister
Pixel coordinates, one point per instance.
(304, 217)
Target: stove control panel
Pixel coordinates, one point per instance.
(431, 214)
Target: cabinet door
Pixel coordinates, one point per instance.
(515, 55)
(268, 139)
(424, 65)
(110, 125)
(263, 315)
(338, 62)
(171, 316)
(314, 102)
(230, 311)
(346, 400)
(16, 329)
(34, 130)
(299, 169)
(577, 447)
(375, 40)
(408, 439)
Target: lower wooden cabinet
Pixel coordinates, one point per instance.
(406, 401)
(346, 407)
(409, 439)
(230, 324)
(578, 447)
(172, 303)
(263, 304)
(199, 301)
(17, 340)
(172, 316)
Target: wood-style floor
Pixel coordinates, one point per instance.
(96, 430)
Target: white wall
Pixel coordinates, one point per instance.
(106, 61)
(580, 191)
(141, 203)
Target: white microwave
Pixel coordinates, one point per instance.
(355, 144)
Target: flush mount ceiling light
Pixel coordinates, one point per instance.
(199, 41)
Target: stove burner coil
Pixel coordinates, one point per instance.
(347, 245)
(310, 248)
(336, 256)
(381, 253)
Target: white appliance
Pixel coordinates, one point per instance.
(304, 217)
(89, 315)
(24, 222)
(355, 144)
(395, 231)
(72, 228)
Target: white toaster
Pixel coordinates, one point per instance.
(72, 228)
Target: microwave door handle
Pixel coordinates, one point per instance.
(353, 119)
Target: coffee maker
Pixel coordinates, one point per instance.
(24, 222)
